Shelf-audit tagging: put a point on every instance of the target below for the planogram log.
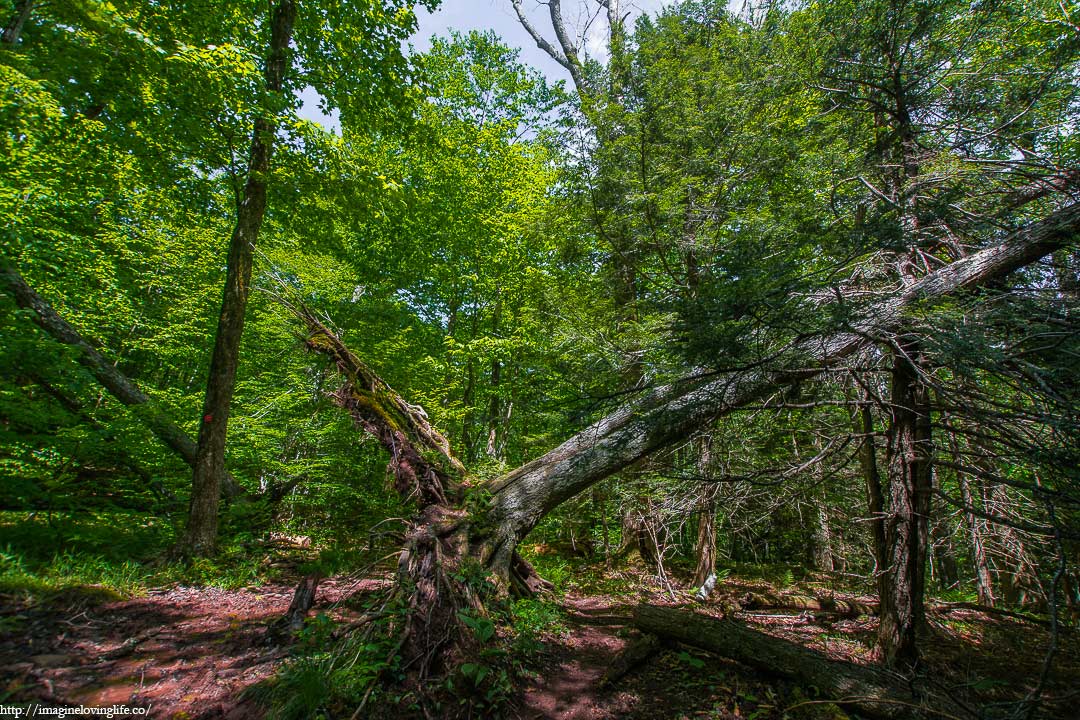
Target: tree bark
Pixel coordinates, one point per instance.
(119, 385)
(871, 693)
(705, 548)
(14, 27)
(455, 524)
(875, 496)
(902, 583)
(200, 536)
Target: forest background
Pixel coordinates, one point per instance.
(798, 282)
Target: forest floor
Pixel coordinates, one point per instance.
(190, 653)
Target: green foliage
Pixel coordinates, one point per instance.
(533, 620)
(329, 678)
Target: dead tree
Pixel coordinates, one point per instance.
(457, 522)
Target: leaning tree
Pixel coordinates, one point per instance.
(460, 520)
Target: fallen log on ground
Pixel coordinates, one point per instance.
(871, 692)
(847, 608)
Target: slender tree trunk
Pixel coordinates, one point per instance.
(119, 385)
(903, 582)
(200, 536)
(705, 547)
(823, 553)
(976, 527)
(875, 496)
(494, 406)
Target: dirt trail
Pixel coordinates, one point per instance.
(186, 653)
(569, 688)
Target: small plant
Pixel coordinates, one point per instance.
(688, 659)
(531, 619)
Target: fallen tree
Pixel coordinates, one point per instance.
(839, 606)
(458, 522)
(869, 691)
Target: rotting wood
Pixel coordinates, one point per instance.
(839, 606)
(302, 602)
(871, 692)
(634, 654)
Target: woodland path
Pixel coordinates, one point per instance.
(190, 653)
(186, 653)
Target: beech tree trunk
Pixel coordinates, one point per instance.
(200, 536)
(902, 582)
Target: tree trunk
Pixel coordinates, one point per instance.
(705, 548)
(13, 29)
(903, 580)
(875, 497)
(869, 692)
(984, 584)
(119, 386)
(201, 534)
(448, 530)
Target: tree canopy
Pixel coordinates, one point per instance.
(795, 284)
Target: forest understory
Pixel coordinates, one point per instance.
(194, 652)
(720, 361)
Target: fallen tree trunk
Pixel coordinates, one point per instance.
(455, 524)
(669, 414)
(850, 608)
(119, 385)
(870, 692)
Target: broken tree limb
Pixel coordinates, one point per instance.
(871, 692)
(665, 415)
(119, 385)
(302, 602)
(420, 458)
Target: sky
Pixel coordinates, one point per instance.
(498, 15)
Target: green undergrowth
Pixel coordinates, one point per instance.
(333, 670)
(108, 556)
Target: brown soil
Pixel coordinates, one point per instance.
(183, 652)
(191, 653)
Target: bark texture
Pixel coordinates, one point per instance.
(201, 534)
(902, 581)
(870, 692)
